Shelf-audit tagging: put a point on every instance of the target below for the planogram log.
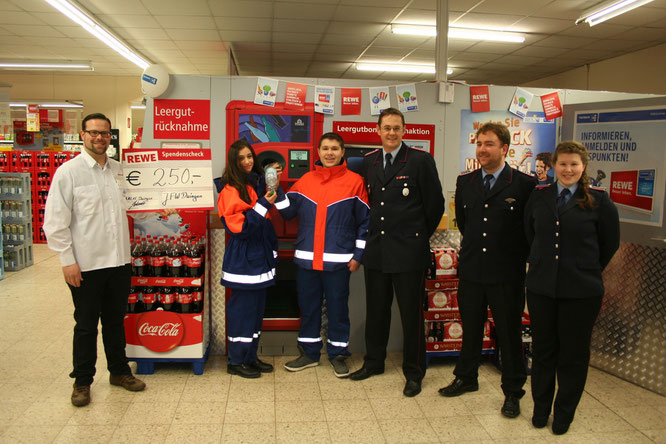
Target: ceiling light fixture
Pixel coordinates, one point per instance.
(608, 10)
(396, 67)
(137, 106)
(51, 65)
(48, 105)
(87, 22)
(461, 32)
(416, 30)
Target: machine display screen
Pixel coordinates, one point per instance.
(298, 155)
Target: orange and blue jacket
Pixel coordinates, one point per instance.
(333, 216)
(250, 256)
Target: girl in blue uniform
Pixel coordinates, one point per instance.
(573, 230)
(250, 256)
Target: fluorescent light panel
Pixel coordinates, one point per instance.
(398, 67)
(608, 10)
(88, 23)
(460, 32)
(48, 105)
(47, 64)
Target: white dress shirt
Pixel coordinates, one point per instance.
(85, 220)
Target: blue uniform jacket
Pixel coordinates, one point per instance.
(570, 246)
(250, 256)
(333, 215)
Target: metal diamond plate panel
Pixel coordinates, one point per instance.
(629, 339)
(217, 301)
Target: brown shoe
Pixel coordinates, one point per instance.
(128, 382)
(81, 395)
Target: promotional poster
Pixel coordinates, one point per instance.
(266, 92)
(627, 158)
(531, 139)
(406, 95)
(379, 100)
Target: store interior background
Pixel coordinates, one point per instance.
(292, 40)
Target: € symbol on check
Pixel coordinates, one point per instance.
(133, 178)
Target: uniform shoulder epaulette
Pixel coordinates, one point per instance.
(466, 173)
(541, 187)
(602, 189)
(371, 152)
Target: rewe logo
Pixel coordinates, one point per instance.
(160, 331)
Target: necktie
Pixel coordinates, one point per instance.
(563, 197)
(486, 182)
(387, 165)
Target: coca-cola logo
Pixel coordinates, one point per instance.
(160, 331)
(178, 281)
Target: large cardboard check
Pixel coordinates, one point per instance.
(157, 179)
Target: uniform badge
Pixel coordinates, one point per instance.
(405, 192)
(509, 200)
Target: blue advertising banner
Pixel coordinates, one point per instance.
(532, 141)
(627, 158)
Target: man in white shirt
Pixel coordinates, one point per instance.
(86, 224)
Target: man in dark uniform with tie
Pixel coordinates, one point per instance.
(491, 266)
(406, 205)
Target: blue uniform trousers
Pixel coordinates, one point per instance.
(312, 286)
(245, 314)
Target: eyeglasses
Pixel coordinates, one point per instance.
(387, 129)
(93, 133)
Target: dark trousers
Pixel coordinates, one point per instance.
(245, 315)
(561, 335)
(506, 302)
(312, 286)
(102, 295)
(409, 291)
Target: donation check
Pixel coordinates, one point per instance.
(157, 179)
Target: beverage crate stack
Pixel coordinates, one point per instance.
(41, 166)
(17, 222)
(443, 327)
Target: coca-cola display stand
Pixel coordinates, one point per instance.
(168, 317)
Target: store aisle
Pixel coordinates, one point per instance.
(309, 407)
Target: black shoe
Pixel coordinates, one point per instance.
(261, 366)
(560, 428)
(412, 388)
(364, 373)
(458, 387)
(243, 370)
(511, 407)
(539, 422)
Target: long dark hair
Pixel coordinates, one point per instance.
(234, 175)
(573, 147)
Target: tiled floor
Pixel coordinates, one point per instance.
(310, 407)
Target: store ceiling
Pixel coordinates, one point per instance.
(323, 38)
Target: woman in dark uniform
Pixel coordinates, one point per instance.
(573, 230)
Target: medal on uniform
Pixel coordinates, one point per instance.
(405, 192)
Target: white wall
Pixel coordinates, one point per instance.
(105, 94)
(638, 72)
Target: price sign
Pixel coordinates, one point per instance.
(157, 179)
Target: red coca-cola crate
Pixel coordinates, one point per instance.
(167, 281)
(23, 161)
(43, 160)
(5, 161)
